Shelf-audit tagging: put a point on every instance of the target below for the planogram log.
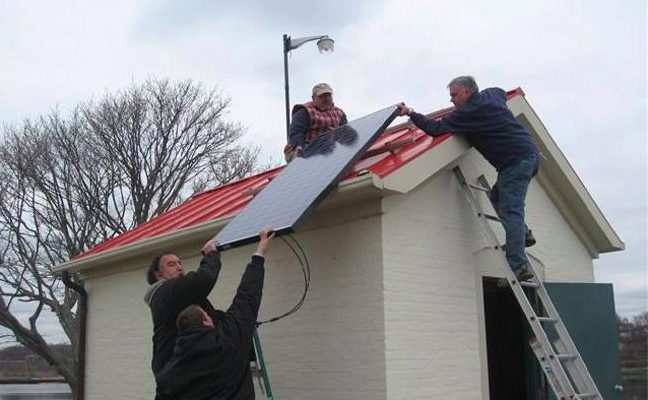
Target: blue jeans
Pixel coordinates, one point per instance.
(507, 197)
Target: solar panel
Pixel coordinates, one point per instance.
(293, 195)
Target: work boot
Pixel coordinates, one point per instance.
(523, 273)
(529, 239)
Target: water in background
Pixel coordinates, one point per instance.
(38, 391)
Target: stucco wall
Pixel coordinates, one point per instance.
(332, 348)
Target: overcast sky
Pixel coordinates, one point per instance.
(582, 65)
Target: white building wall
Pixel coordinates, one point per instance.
(395, 307)
(118, 349)
(431, 310)
(563, 255)
(434, 265)
(332, 348)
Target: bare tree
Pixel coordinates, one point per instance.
(70, 183)
(42, 224)
(633, 354)
(159, 136)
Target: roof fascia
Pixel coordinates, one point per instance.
(565, 188)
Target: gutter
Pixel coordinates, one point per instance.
(82, 309)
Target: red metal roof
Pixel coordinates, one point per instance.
(396, 147)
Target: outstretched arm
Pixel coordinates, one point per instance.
(195, 286)
(428, 125)
(243, 312)
(453, 123)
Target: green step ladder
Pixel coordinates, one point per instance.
(260, 368)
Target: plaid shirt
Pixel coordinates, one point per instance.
(320, 120)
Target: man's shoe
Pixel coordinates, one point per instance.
(529, 239)
(523, 273)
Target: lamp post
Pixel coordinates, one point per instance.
(324, 44)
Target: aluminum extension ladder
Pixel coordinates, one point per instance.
(560, 358)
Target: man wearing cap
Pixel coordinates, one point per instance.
(311, 119)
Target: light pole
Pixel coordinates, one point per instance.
(324, 44)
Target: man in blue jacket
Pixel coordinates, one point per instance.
(485, 120)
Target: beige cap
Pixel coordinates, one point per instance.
(322, 88)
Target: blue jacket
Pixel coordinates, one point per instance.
(488, 125)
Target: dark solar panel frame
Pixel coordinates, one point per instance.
(293, 195)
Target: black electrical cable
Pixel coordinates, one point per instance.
(305, 267)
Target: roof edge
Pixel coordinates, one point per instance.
(574, 200)
(144, 246)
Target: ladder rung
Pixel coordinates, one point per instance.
(479, 187)
(489, 216)
(547, 319)
(565, 356)
(529, 284)
(586, 395)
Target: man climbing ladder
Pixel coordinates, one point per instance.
(484, 118)
(560, 361)
(487, 123)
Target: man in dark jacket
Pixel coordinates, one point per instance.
(484, 118)
(309, 120)
(211, 358)
(171, 291)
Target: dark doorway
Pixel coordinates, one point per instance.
(506, 334)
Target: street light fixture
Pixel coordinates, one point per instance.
(325, 45)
